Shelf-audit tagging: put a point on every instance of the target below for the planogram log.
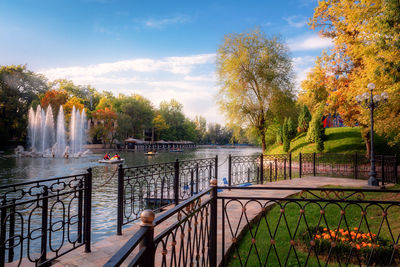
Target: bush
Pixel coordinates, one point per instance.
(291, 128)
(279, 136)
(316, 128)
(304, 119)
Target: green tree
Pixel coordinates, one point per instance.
(255, 73)
(20, 89)
(304, 119)
(141, 113)
(316, 131)
(291, 128)
(159, 125)
(172, 113)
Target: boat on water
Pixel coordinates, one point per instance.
(111, 161)
(150, 153)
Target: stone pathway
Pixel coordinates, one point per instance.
(104, 249)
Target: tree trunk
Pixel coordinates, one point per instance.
(366, 136)
(264, 146)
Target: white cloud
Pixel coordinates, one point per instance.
(302, 66)
(175, 65)
(191, 80)
(296, 21)
(160, 23)
(309, 42)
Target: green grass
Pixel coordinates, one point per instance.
(339, 140)
(286, 223)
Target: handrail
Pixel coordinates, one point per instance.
(129, 246)
(42, 180)
(178, 207)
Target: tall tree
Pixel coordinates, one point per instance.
(255, 72)
(366, 49)
(19, 89)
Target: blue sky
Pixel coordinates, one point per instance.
(159, 49)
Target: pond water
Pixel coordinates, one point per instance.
(104, 208)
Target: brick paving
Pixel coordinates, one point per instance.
(104, 249)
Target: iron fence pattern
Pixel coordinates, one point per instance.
(276, 167)
(148, 186)
(45, 219)
(315, 227)
(244, 169)
(159, 185)
(185, 243)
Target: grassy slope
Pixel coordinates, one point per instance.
(339, 140)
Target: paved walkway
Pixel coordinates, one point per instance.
(104, 249)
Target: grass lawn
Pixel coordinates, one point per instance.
(339, 140)
(285, 226)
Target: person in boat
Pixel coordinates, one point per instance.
(117, 156)
(107, 156)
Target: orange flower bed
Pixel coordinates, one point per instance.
(361, 247)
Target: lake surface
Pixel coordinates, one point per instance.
(104, 209)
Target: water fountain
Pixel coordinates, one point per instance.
(48, 139)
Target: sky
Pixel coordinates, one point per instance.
(158, 49)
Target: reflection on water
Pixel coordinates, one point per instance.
(104, 209)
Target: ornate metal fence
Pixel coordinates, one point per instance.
(316, 227)
(158, 185)
(45, 219)
(185, 242)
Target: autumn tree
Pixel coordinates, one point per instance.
(73, 101)
(106, 126)
(255, 73)
(366, 49)
(314, 89)
(159, 125)
(54, 98)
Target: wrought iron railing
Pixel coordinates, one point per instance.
(268, 168)
(45, 219)
(184, 242)
(314, 227)
(159, 185)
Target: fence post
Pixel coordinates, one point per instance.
(147, 218)
(284, 168)
(290, 165)
(11, 234)
(300, 165)
(45, 207)
(120, 199)
(216, 167)
(270, 171)
(262, 169)
(3, 233)
(276, 169)
(197, 178)
(212, 249)
(229, 170)
(314, 163)
(383, 170)
(80, 210)
(176, 182)
(191, 182)
(88, 210)
(355, 166)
